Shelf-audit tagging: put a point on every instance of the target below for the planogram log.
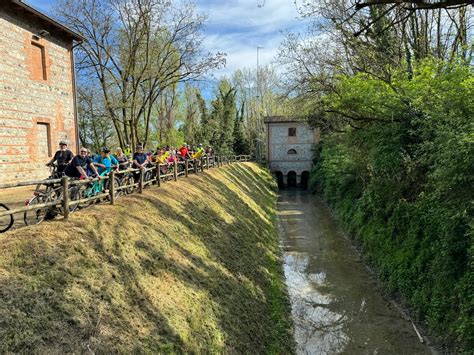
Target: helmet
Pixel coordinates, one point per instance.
(62, 143)
(105, 150)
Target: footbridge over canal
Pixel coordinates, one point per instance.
(289, 144)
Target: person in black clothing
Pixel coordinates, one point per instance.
(121, 158)
(140, 158)
(140, 161)
(79, 164)
(62, 158)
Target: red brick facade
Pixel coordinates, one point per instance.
(37, 98)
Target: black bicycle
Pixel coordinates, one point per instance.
(6, 222)
(50, 194)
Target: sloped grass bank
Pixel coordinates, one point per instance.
(193, 266)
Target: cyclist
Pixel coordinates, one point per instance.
(127, 151)
(121, 158)
(105, 161)
(62, 158)
(199, 152)
(140, 159)
(184, 151)
(79, 164)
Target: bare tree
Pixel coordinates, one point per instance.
(136, 49)
(377, 41)
(418, 4)
(94, 124)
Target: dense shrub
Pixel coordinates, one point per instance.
(404, 188)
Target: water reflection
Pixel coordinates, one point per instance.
(317, 328)
(335, 305)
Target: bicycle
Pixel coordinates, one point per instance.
(167, 170)
(96, 188)
(148, 174)
(125, 179)
(41, 195)
(51, 194)
(6, 222)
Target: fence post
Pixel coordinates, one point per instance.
(195, 166)
(202, 164)
(140, 182)
(175, 170)
(65, 183)
(207, 162)
(112, 187)
(186, 172)
(158, 174)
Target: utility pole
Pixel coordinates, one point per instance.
(258, 145)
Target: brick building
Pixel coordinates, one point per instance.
(289, 149)
(37, 90)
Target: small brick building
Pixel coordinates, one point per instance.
(37, 91)
(289, 149)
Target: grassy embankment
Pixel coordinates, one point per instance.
(187, 267)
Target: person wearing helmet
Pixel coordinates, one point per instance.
(199, 152)
(127, 151)
(184, 151)
(105, 161)
(62, 158)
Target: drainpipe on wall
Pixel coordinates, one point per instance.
(74, 94)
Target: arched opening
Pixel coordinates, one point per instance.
(291, 179)
(291, 151)
(279, 177)
(304, 179)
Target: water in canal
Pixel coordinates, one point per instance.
(335, 304)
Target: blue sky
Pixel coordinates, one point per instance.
(237, 27)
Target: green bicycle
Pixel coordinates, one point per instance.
(96, 188)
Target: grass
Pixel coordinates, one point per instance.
(193, 266)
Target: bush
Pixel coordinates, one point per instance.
(404, 188)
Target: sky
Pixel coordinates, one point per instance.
(237, 27)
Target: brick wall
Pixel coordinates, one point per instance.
(279, 143)
(36, 106)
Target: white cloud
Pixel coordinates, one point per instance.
(238, 27)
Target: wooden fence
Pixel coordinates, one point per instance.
(66, 194)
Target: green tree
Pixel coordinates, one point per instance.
(241, 144)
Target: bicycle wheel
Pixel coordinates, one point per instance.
(86, 192)
(148, 176)
(6, 222)
(74, 195)
(129, 182)
(117, 184)
(37, 215)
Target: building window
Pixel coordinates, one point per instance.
(43, 140)
(292, 151)
(292, 132)
(39, 61)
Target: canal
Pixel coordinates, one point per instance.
(336, 306)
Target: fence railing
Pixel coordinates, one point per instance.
(64, 195)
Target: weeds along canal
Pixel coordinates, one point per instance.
(336, 306)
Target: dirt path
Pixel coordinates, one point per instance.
(15, 198)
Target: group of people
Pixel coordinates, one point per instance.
(84, 165)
